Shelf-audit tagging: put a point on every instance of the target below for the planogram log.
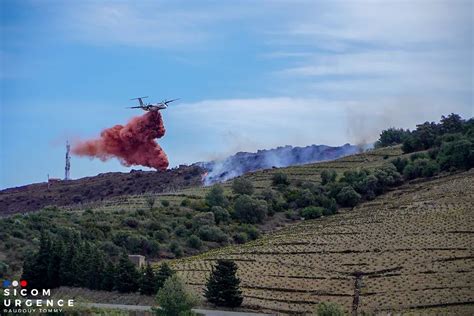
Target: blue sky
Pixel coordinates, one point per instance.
(251, 74)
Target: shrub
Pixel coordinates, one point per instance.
(161, 235)
(326, 202)
(457, 154)
(215, 234)
(3, 269)
(216, 197)
(150, 201)
(291, 214)
(221, 215)
(194, 242)
(174, 298)
(280, 179)
(312, 212)
(199, 205)
(242, 186)
(348, 196)
(240, 238)
(251, 231)
(176, 249)
(181, 231)
(416, 156)
(249, 210)
(165, 203)
(305, 198)
(423, 167)
(399, 163)
(204, 219)
(329, 309)
(186, 202)
(130, 222)
(328, 176)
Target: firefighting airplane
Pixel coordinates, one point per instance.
(150, 106)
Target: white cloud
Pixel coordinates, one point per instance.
(217, 128)
(141, 24)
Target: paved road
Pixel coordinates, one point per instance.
(206, 312)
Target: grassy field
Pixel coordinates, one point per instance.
(409, 250)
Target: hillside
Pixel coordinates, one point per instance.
(245, 162)
(98, 188)
(128, 223)
(408, 249)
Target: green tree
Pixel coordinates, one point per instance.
(194, 242)
(150, 201)
(329, 309)
(108, 279)
(280, 179)
(457, 154)
(328, 176)
(249, 210)
(216, 197)
(94, 267)
(222, 288)
(174, 299)
(127, 276)
(163, 273)
(391, 136)
(221, 215)
(242, 186)
(348, 196)
(35, 267)
(57, 252)
(453, 123)
(312, 212)
(148, 281)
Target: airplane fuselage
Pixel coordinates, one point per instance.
(152, 107)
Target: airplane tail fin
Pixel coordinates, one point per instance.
(140, 99)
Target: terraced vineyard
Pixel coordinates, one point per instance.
(409, 249)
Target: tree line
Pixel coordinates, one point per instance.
(68, 260)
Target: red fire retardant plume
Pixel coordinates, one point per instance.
(132, 144)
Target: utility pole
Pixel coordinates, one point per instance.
(67, 169)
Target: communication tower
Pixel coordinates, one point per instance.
(67, 169)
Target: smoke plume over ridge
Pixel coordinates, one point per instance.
(132, 144)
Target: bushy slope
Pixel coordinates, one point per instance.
(408, 249)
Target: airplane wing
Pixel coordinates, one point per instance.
(169, 101)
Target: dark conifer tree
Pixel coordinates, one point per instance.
(69, 267)
(148, 281)
(163, 273)
(94, 269)
(108, 278)
(57, 252)
(35, 268)
(127, 276)
(222, 288)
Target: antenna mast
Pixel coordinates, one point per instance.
(67, 169)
